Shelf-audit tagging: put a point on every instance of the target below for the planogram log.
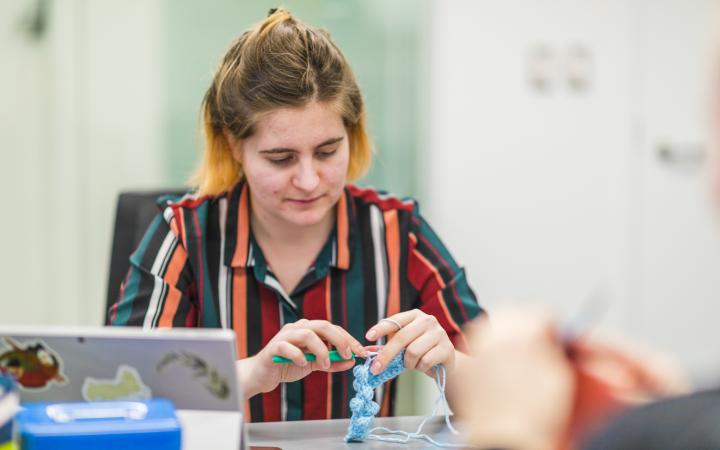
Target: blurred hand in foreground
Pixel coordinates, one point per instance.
(526, 388)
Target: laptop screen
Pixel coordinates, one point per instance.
(195, 368)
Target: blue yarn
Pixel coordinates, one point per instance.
(364, 408)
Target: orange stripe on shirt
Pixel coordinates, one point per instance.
(392, 242)
(243, 230)
(172, 273)
(239, 311)
(343, 252)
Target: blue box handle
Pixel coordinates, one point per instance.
(73, 412)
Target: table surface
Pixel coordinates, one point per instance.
(329, 434)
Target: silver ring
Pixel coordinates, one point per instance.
(397, 324)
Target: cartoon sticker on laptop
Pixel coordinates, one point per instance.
(33, 365)
(215, 383)
(127, 385)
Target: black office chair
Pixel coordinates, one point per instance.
(135, 211)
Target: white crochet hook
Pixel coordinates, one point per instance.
(591, 310)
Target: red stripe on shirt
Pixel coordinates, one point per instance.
(178, 225)
(384, 203)
(239, 312)
(315, 386)
(425, 277)
(328, 314)
(270, 327)
(201, 275)
(191, 202)
(114, 307)
(444, 263)
(345, 325)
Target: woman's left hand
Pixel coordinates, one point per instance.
(425, 342)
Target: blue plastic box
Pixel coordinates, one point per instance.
(137, 425)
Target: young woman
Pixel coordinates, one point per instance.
(276, 245)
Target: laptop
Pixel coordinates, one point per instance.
(195, 368)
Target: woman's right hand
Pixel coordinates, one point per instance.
(260, 374)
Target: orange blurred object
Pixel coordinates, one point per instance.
(596, 402)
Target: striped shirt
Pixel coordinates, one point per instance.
(198, 265)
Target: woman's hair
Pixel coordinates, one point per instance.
(278, 63)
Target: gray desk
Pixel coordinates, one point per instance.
(329, 434)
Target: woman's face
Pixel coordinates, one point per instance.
(296, 164)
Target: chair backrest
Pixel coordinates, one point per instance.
(135, 210)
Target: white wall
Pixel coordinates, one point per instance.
(23, 120)
(530, 188)
(122, 122)
(678, 234)
(80, 121)
(551, 195)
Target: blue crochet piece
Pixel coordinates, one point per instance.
(363, 407)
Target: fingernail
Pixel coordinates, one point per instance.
(326, 363)
(303, 363)
(347, 353)
(376, 366)
(371, 335)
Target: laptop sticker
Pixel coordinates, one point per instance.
(33, 365)
(215, 383)
(127, 385)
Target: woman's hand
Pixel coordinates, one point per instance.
(260, 374)
(425, 342)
